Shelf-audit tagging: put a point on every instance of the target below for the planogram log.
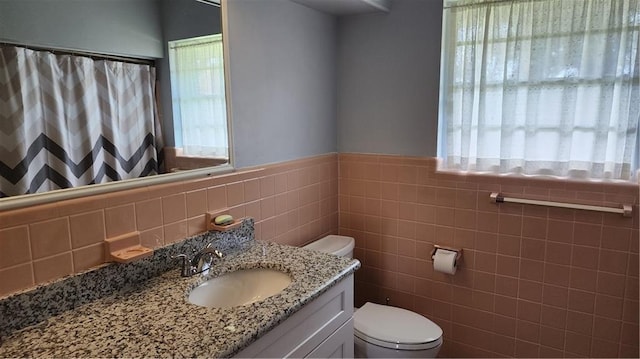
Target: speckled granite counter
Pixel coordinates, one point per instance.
(154, 319)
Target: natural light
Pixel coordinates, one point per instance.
(541, 87)
(198, 96)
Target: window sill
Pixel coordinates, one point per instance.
(486, 176)
(175, 161)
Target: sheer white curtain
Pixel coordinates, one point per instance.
(541, 87)
(197, 87)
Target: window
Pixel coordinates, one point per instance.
(198, 96)
(541, 87)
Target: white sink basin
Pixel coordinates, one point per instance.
(238, 288)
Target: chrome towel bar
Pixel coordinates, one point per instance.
(624, 209)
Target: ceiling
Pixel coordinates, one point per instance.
(347, 7)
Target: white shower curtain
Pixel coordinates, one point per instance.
(68, 121)
(541, 87)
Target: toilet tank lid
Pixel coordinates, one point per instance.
(395, 325)
(334, 244)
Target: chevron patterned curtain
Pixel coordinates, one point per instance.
(68, 121)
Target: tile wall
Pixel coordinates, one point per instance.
(292, 203)
(534, 281)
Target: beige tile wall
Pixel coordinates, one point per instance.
(534, 282)
(292, 203)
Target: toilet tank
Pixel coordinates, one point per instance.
(339, 245)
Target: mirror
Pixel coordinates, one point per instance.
(192, 85)
(138, 29)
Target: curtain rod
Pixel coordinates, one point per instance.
(625, 209)
(83, 53)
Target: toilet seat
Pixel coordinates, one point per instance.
(395, 328)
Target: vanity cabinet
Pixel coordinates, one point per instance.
(323, 329)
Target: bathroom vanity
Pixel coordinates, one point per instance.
(154, 318)
(322, 329)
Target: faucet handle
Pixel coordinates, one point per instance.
(216, 252)
(186, 268)
(182, 257)
(203, 260)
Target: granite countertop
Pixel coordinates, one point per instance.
(154, 319)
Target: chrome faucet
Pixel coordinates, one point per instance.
(200, 262)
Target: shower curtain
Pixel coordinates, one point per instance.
(68, 121)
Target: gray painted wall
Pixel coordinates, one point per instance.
(282, 59)
(117, 27)
(388, 80)
(181, 20)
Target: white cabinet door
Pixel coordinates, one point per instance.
(309, 327)
(338, 345)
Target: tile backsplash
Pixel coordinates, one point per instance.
(291, 202)
(534, 281)
(42, 302)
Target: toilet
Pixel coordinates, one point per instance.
(382, 331)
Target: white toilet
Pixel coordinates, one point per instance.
(383, 331)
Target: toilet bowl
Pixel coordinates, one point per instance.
(382, 331)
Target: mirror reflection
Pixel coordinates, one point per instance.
(99, 91)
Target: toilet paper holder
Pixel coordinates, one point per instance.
(457, 250)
